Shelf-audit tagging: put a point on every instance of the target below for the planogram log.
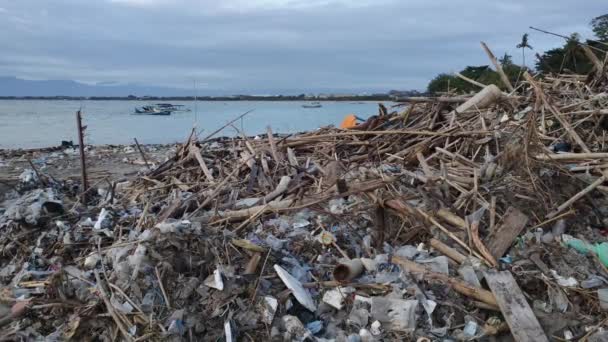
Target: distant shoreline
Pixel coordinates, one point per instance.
(375, 97)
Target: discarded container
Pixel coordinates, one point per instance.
(348, 270)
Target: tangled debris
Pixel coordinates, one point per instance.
(456, 218)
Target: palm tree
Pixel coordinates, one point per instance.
(523, 45)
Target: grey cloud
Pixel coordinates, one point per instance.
(271, 44)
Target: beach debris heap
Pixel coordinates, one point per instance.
(441, 218)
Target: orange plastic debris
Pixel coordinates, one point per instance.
(350, 121)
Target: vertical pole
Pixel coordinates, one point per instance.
(195, 105)
(83, 166)
(143, 155)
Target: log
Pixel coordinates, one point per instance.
(484, 98)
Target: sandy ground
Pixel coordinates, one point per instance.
(103, 162)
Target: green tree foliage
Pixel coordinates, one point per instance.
(482, 74)
(568, 58)
(600, 27)
(442, 83)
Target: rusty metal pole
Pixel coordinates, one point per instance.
(83, 166)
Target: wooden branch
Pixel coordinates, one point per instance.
(273, 146)
(572, 156)
(459, 75)
(448, 251)
(479, 244)
(451, 218)
(556, 113)
(104, 296)
(278, 191)
(458, 285)
(498, 67)
(576, 197)
(597, 64)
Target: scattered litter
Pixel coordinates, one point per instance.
(295, 286)
(380, 232)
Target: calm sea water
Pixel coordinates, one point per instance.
(31, 124)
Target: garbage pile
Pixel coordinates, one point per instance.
(454, 218)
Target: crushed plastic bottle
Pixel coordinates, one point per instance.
(600, 249)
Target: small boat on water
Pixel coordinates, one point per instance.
(161, 109)
(172, 107)
(151, 110)
(312, 105)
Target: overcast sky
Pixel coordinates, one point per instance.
(273, 45)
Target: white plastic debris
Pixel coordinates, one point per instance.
(296, 288)
(173, 226)
(215, 280)
(438, 264)
(568, 282)
(228, 331)
(33, 205)
(469, 276)
(375, 328)
(366, 335)
(91, 261)
(269, 309)
(369, 264)
(294, 327)
(470, 329)
(103, 221)
(363, 299)
(395, 314)
(335, 297)
(28, 176)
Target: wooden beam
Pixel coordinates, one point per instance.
(514, 307)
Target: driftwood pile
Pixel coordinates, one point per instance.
(341, 234)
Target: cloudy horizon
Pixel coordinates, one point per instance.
(272, 44)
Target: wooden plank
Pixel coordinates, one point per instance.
(197, 154)
(501, 238)
(514, 307)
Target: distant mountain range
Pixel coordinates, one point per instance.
(15, 87)
(12, 86)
